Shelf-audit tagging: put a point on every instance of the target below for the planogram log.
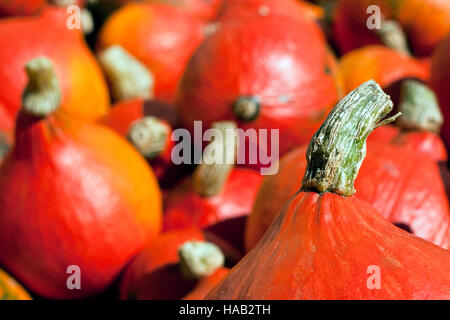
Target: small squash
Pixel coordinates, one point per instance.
(84, 89)
(179, 264)
(86, 196)
(326, 243)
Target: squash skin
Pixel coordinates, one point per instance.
(425, 22)
(244, 9)
(21, 7)
(382, 64)
(164, 47)
(10, 289)
(84, 89)
(249, 58)
(199, 9)
(403, 188)
(78, 201)
(316, 236)
(440, 82)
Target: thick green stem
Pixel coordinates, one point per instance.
(42, 95)
(199, 259)
(392, 35)
(338, 148)
(128, 77)
(419, 107)
(219, 158)
(150, 136)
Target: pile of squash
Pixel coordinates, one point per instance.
(94, 95)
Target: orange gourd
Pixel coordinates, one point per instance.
(328, 244)
(10, 289)
(87, 198)
(161, 36)
(425, 22)
(84, 90)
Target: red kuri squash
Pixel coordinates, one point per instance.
(328, 244)
(263, 74)
(71, 193)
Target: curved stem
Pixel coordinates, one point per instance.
(392, 35)
(150, 136)
(199, 259)
(338, 148)
(219, 157)
(42, 95)
(419, 107)
(128, 77)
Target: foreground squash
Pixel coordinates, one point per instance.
(10, 289)
(326, 243)
(86, 197)
(179, 264)
(399, 176)
(84, 90)
(244, 73)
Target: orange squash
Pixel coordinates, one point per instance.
(10, 289)
(328, 244)
(84, 90)
(161, 36)
(97, 204)
(382, 64)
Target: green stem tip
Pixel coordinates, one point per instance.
(338, 148)
(419, 107)
(42, 95)
(199, 259)
(149, 135)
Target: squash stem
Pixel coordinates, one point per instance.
(42, 95)
(338, 148)
(127, 76)
(392, 35)
(199, 259)
(219, 158)
(150, 136)
(419, 107)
